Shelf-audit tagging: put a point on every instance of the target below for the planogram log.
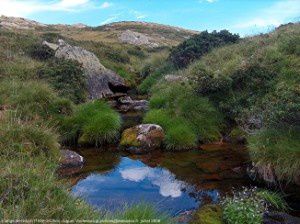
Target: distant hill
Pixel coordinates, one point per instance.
(151, 34)
(124, 47)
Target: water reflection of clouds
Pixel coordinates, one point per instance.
(164, 179)
(90, 186)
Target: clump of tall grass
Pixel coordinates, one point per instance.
(279, 148)
(185, 117)
(143, 211)
(33, 100)
(92, 123)
(19, 137)
(30, 190)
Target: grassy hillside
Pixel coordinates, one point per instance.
(255, 84)
(126, 59)
(39, 111)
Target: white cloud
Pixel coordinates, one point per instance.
(209, 1)
(106, 5)
(138, 15)
(110, 20)
(23, 8)
(273, 16)
(164, 179)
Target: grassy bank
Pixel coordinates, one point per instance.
(38, 97)
(253, 85)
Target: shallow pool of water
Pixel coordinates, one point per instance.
(172, 182)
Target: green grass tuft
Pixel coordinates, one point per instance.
(92, 123)
(185, 117)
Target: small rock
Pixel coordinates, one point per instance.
(126, 104)
(142, 138)
(70, 159)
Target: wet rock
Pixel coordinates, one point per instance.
(70, 159)
(184, 217)
(280, 218)
(142, 138)
(101, 82)
(126, 104)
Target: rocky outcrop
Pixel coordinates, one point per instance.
(70, 159)
(142, 138)
(101, 81)
(126, 103)
(135, 38)
(19, 23)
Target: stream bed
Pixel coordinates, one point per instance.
(172, 182)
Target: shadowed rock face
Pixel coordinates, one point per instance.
(101, 81)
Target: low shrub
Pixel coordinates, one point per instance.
(248, 206)
(40, 52)
(92, 123)
(66, 77)
(198, 45)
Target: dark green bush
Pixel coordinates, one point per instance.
(198, 45)
(40, 52)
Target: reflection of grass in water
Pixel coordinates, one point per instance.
(98, 160)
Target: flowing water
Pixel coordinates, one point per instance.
(172, 182)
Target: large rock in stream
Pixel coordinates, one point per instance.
(70, 159)
(142, 138)
(101, 82)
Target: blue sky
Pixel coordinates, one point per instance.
(246, 17)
